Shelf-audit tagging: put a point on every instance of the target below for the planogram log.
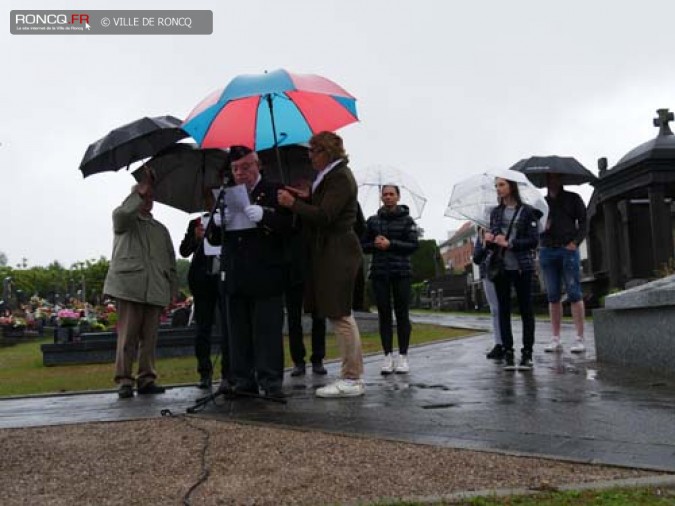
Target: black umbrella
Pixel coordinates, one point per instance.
(570, 170)
(139, 139)
(182, 173)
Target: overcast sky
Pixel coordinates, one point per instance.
(444, 89)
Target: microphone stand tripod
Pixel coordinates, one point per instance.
(226, 392)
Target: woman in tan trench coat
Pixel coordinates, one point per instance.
(335, 253)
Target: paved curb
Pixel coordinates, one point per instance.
(651, 481)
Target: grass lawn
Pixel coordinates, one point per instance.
(643, 496)
(22, 372)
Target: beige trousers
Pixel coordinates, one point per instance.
(349, 342)
(137, 326)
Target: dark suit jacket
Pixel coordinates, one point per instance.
(255, 259)
(199, 274)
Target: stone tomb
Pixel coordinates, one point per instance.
(636, 328)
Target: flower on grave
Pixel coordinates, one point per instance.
(68, 318)
(14, 322)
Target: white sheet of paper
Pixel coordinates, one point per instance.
(236, 199)
(209, 249)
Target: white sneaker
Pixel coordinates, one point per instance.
(342, 388)
(554, 346)
(387, 364)
(578, 346)
(402, 366)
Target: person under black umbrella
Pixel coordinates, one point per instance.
(208, 294)
(559, 259)
(142, 278)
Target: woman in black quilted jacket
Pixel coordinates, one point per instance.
(391, 237)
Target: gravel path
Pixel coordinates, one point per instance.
(158, 461)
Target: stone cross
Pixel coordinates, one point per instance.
(665, 116)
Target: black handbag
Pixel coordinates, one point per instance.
(495, 262)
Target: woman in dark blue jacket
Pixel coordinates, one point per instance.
(514, 228)
(391, 237)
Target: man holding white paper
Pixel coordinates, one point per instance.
(255, 227)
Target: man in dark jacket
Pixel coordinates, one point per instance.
(208, 293)
(255, 281)
(391, 237)
(559, 258)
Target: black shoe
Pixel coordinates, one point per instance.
(298, 370)
(496, 353)
(509, 361)
(151, 389)
(125, 391)
(318, 368)
(275, 393)
(525, 363)
(204, 383)
(225, 388)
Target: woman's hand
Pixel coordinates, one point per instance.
(500, 240)
(285, 198)
(301, 193)
(382, 243)
(199, 231)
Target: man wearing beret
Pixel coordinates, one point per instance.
(254, 281)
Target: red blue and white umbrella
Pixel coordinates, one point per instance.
(268, 110)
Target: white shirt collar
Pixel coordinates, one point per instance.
(323, 173)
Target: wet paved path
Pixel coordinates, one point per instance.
(568, 407)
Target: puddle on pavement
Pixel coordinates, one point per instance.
(440, 406)
(430, 387)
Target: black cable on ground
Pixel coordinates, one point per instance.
(204, 471)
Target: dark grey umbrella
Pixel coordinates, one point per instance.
(134, 141)
(182, 173)
(570, 170)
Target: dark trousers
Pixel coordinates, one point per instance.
(399, 288)
(522, 282)
(293, 298)
(256, 342)
(208, 296)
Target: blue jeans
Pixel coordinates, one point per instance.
(560, 265)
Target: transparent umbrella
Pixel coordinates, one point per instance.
(474, 197)
(371, 181)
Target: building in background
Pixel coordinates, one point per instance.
(458, 249)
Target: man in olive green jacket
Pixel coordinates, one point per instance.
(142, 277)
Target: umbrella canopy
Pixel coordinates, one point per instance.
(570, 170)
(134, 141)
(474, 197)
(272, 109)
(182, 173)
(371, 181)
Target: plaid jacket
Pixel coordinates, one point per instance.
(524, 235)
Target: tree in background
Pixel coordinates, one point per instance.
(86, 276)
(427, 262)
(3, 259)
